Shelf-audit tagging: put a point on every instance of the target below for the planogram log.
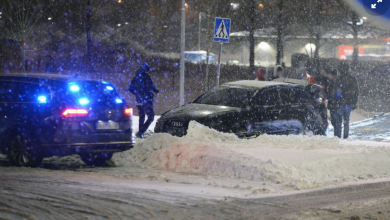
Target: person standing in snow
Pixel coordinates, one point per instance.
(343, 94)
(143, 88)
(262, 75)
(278, 72)
(323, 77)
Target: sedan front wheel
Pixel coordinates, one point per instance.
(310, 129)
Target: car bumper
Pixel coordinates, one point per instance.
(75, 144)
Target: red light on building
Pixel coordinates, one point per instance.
(347, 50)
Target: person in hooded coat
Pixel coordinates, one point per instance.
(278, 72)
(343, 95)
(143, 88)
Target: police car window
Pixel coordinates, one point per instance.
(24, 92)
(268, 97)
(8, 91)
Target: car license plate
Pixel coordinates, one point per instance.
(107, 125)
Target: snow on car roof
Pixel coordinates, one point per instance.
(293, 81)
(59, 77)
(257, 84)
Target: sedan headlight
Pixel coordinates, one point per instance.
(159, 125)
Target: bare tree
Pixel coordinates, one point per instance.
(279, 43)
(22, 16)
(251, 35)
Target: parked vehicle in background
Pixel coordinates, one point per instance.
(251, 108)
(44, 115)
(198, 56)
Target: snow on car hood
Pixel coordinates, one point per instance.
(195, 111)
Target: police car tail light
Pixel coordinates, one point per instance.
(74, 112)
(129, 111)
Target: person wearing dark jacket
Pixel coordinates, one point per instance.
(343, 93)
(143, 88)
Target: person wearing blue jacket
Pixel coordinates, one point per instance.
(143, 88)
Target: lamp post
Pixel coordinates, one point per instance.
(182, 49)
(199, 34)
(200, 22)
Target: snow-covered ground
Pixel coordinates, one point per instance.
(208, 175)
(360, 115)
(264, 165)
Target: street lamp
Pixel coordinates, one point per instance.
(358, 23)
(264, 46)
(234, 5)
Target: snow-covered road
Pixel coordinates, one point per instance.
(375, 129)
(46, 194)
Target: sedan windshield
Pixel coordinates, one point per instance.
(227, 96)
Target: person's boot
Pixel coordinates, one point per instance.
(140, 135)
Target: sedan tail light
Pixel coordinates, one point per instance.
(74, 112)
(129, 111)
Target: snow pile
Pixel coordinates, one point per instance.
(296, 162)
(206, 156)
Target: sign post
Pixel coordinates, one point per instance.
(221, 35)
(182, 49)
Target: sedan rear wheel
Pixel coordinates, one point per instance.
(23, 151)
(95, 159)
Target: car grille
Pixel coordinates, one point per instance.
(176, 124)
(176, 128)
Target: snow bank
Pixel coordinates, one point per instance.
(294, 162)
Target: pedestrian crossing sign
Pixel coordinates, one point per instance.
(222, 30)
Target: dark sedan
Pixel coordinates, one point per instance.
(252, 108)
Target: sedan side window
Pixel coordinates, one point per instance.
(303, 97)
(269, 97)
(287, 96)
